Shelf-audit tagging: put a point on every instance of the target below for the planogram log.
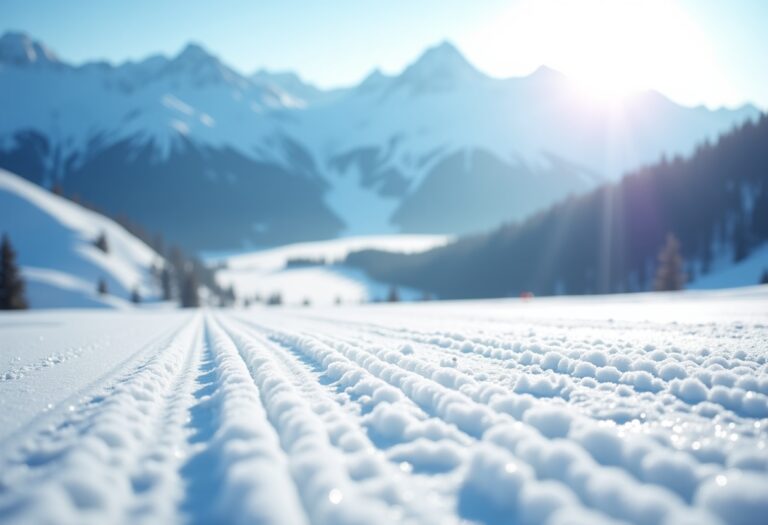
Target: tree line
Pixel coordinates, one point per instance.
(714, 203)
(179, 277)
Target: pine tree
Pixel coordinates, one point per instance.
(764, 278)
(706, 260)
(177, 260)
(740, 241)
(394, 295)
(228, 297)
(136, 296)
(669, 273)
(190, 297)
(158, 243)
(101, 242)
(101, 287)
(691, 272)
(166, 283)
(11, 284)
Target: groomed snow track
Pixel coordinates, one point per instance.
(480, 412)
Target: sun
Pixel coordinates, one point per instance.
(610, 47)
(616, 47)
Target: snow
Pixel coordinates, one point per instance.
(264, 272)
(53, 238)
(152, 99)
(333, 250)
(643, 409)
(728, 274)
(439, 106)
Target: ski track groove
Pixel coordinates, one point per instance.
(101, 469)
(477, 391)
(479, 400)
(346, 431)
(243, 442)
(157, 470)
(327, 491)
(75, 407)
(300, 418)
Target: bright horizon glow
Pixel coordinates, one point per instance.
(610, 47)
(693, 51)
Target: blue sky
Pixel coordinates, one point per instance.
(696, 51)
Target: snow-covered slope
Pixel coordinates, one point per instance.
(643, 409)
(727, 274)
(312, 271)
(439, 148)
(54, 240)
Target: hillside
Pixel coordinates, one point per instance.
(715, 202)
(438, 148)
(54, 240)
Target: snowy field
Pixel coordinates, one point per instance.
(266, 272)
(635, 409)
(331, 251)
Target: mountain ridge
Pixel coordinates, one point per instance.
(364, 156)
(22, 38)
(607, 241)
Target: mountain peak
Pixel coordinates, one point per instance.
(445, 49)
(439, 68)
(200, 67)
(444, 56)
(546, 72)
(375, 80)
(20, 49)
(194, 53)
(546, 76)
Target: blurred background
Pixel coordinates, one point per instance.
(296, 153)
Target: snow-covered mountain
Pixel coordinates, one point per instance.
(216, 159)
(54, 240)
(296, 92)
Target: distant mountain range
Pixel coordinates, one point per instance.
(715, 202)
(216, 159)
